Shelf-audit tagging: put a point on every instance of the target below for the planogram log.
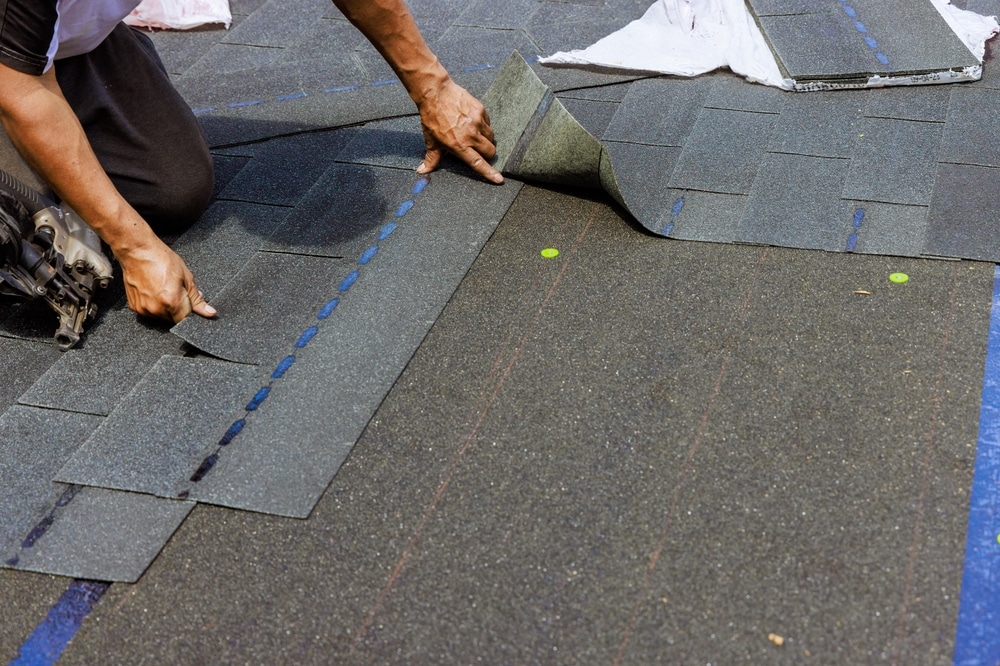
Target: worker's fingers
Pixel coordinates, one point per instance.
(199, 305)
(179, 309)
(432, 158)
(474, 159)
(487, 130)
(485, 147)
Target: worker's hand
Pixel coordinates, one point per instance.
(159, 284)
(453, 120)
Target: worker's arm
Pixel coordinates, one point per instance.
(45, 130)
(452, 118)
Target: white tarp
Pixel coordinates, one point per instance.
(690, 37)
(180, 14)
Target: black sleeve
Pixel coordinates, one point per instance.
(26, 30)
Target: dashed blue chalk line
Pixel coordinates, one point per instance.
(862, 29)
(349, 280)
(675, 211)
(307, 335)
(333, 89)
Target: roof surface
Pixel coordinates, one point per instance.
(410, 438)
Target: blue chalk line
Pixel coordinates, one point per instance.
(46, 643)
(977, 638)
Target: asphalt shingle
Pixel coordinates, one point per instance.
(723, 151)
(145, 445)
(659, 111)
(796, 203)
(34, 444)
(93, 377)
(105, 535)
(894, 161)
(354, 355)
(972, 129)
(266, 307)
(963, 213)
(821, 124)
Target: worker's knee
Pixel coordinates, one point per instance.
(177, 198)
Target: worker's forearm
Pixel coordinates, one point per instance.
(390, 27)
(45, 130)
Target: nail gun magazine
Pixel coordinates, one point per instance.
(47, 252)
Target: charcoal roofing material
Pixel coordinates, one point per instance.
(315, 165)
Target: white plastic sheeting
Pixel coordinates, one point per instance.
(691, 37)
(180, 14)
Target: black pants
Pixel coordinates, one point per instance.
(143, 132)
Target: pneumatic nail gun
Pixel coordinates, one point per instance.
(48, 252)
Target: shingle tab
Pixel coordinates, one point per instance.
(594, 115)
(972, 130)
(963, 213)
(893, 161)
(273, 26)
(346, 203)
(731, 92)
(224, 239)
(22, 362)
(659, 111)
(703, 216)
(723, 151)
(163, 430)
(283, 170)
(397, 143)
(266, 307)
(105, 535)
(115, 354)
(34, 444)
(891, 229)
(909, 102)
(821, 124)
(796, 203)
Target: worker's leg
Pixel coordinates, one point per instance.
(145, 135)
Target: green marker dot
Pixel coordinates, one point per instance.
(998, 538)
(898, 278)
(550, 253)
